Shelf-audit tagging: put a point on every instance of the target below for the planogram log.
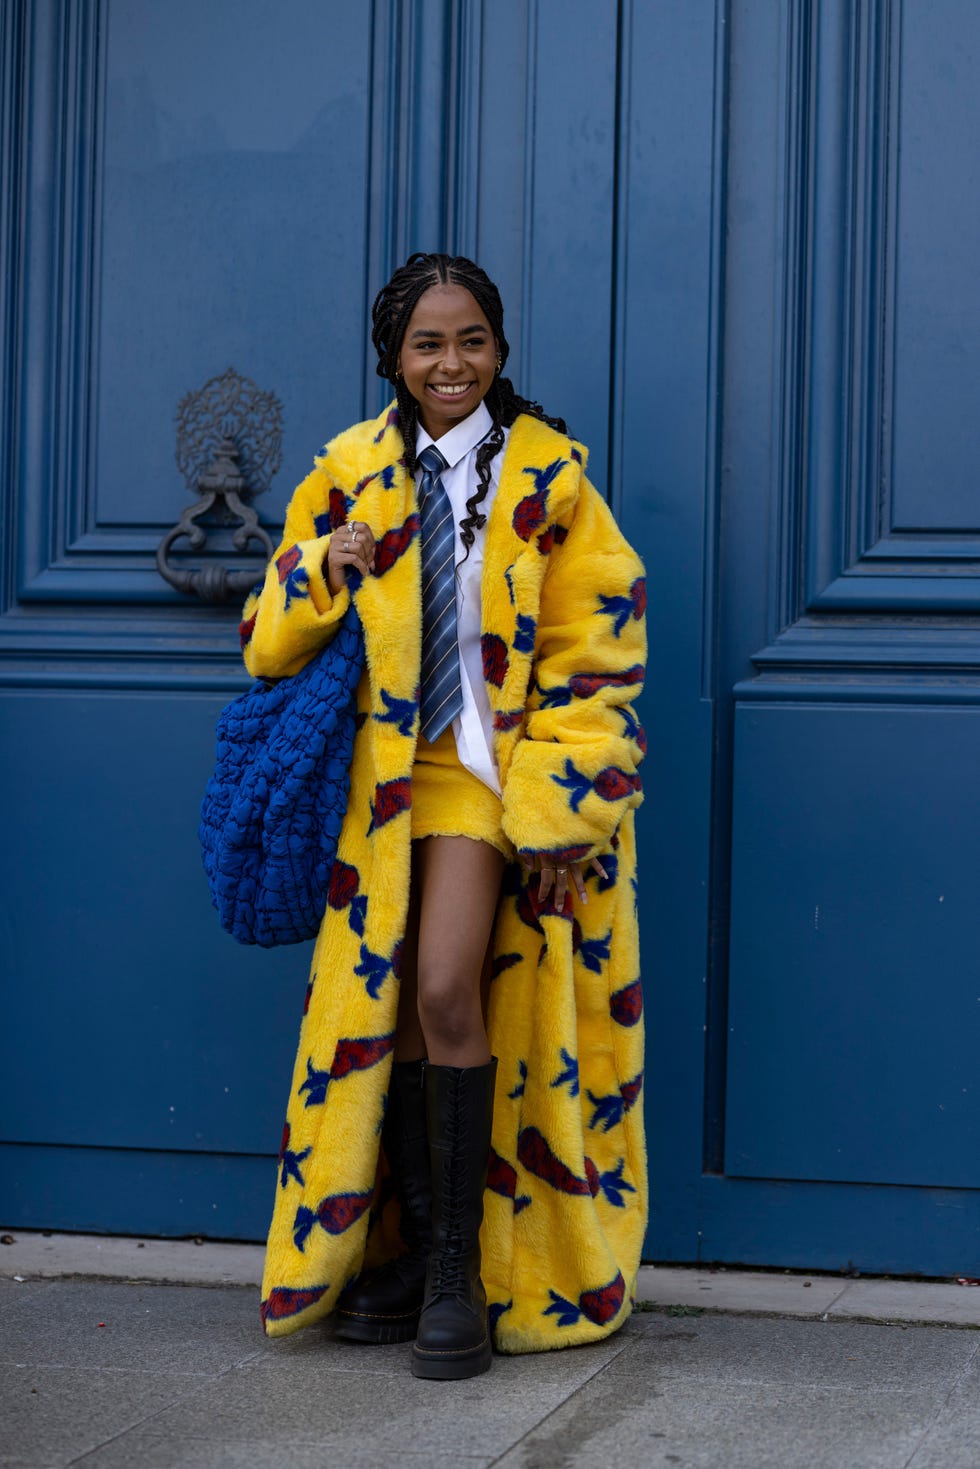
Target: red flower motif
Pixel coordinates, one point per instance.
(630, 1090)
(638, 593)
(534, 1152)
(613, 784)
(553, 536)
(338, 507)
(359, 1053)
(530, 514)
(495, 660)
(626, 1005)
(603, 1304)
(338, 1212)
(583, 685)
(245, 630)
(283, 1301)
(507, 718)
(391, 420)
(344, 883)
(390, 798)
(287, 563)
(501, 1175)
(394, 543)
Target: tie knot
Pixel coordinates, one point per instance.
(431, 460)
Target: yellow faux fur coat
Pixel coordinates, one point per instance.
(563, 638)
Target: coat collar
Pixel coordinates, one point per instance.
(539, 476)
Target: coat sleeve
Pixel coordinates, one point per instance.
(290, 614)
(574, 774)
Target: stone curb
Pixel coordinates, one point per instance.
(810, 1296)
(40, 1256)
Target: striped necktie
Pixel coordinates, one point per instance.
(442, 695)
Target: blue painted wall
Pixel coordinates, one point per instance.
(736, 244)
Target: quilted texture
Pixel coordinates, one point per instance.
(274, 807)
(564, 647)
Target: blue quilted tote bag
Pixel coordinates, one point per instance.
(273, 808)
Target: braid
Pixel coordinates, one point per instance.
(390, 315)
(408, 417)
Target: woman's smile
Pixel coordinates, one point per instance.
(450, 390)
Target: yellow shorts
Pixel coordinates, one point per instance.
(449, 800)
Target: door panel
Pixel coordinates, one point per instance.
(228, 214)
(936, 443)
(156, 1028)
(852, 1036)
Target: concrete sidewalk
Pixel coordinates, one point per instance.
(126, 1370)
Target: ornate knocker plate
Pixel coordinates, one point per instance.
(229, 446)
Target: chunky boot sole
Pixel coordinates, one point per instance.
(451, 1366)
(380, 1331)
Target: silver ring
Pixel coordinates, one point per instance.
(347, 545)
(562, 871)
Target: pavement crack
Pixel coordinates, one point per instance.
(555, 1450)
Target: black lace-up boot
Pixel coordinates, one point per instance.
(383, 1305)
(453, 1338)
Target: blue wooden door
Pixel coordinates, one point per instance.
(736, 244)
(801, 338)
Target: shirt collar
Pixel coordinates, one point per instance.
(455, 445)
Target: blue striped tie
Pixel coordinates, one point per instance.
(442, 695)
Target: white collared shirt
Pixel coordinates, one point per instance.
(473, 726)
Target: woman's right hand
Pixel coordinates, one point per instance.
(555, 876)
(350, 545)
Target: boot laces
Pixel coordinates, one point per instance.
(449, 1273)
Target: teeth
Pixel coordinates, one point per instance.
(446, 390)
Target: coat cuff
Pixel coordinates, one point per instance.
(567, 800)
(292, 617)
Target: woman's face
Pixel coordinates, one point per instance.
(448, 357)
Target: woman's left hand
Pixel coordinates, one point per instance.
(557, 876)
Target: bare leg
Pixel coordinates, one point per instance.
(409, 1040)
(459, 885)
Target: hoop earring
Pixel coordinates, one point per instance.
(500, 363)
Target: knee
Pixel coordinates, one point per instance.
(449, 1006)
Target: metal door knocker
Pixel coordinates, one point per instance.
(229, 446)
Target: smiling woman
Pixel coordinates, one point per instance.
(449, 357)
(494, 777)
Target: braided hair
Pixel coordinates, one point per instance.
(390, 315)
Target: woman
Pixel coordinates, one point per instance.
(481, 922)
